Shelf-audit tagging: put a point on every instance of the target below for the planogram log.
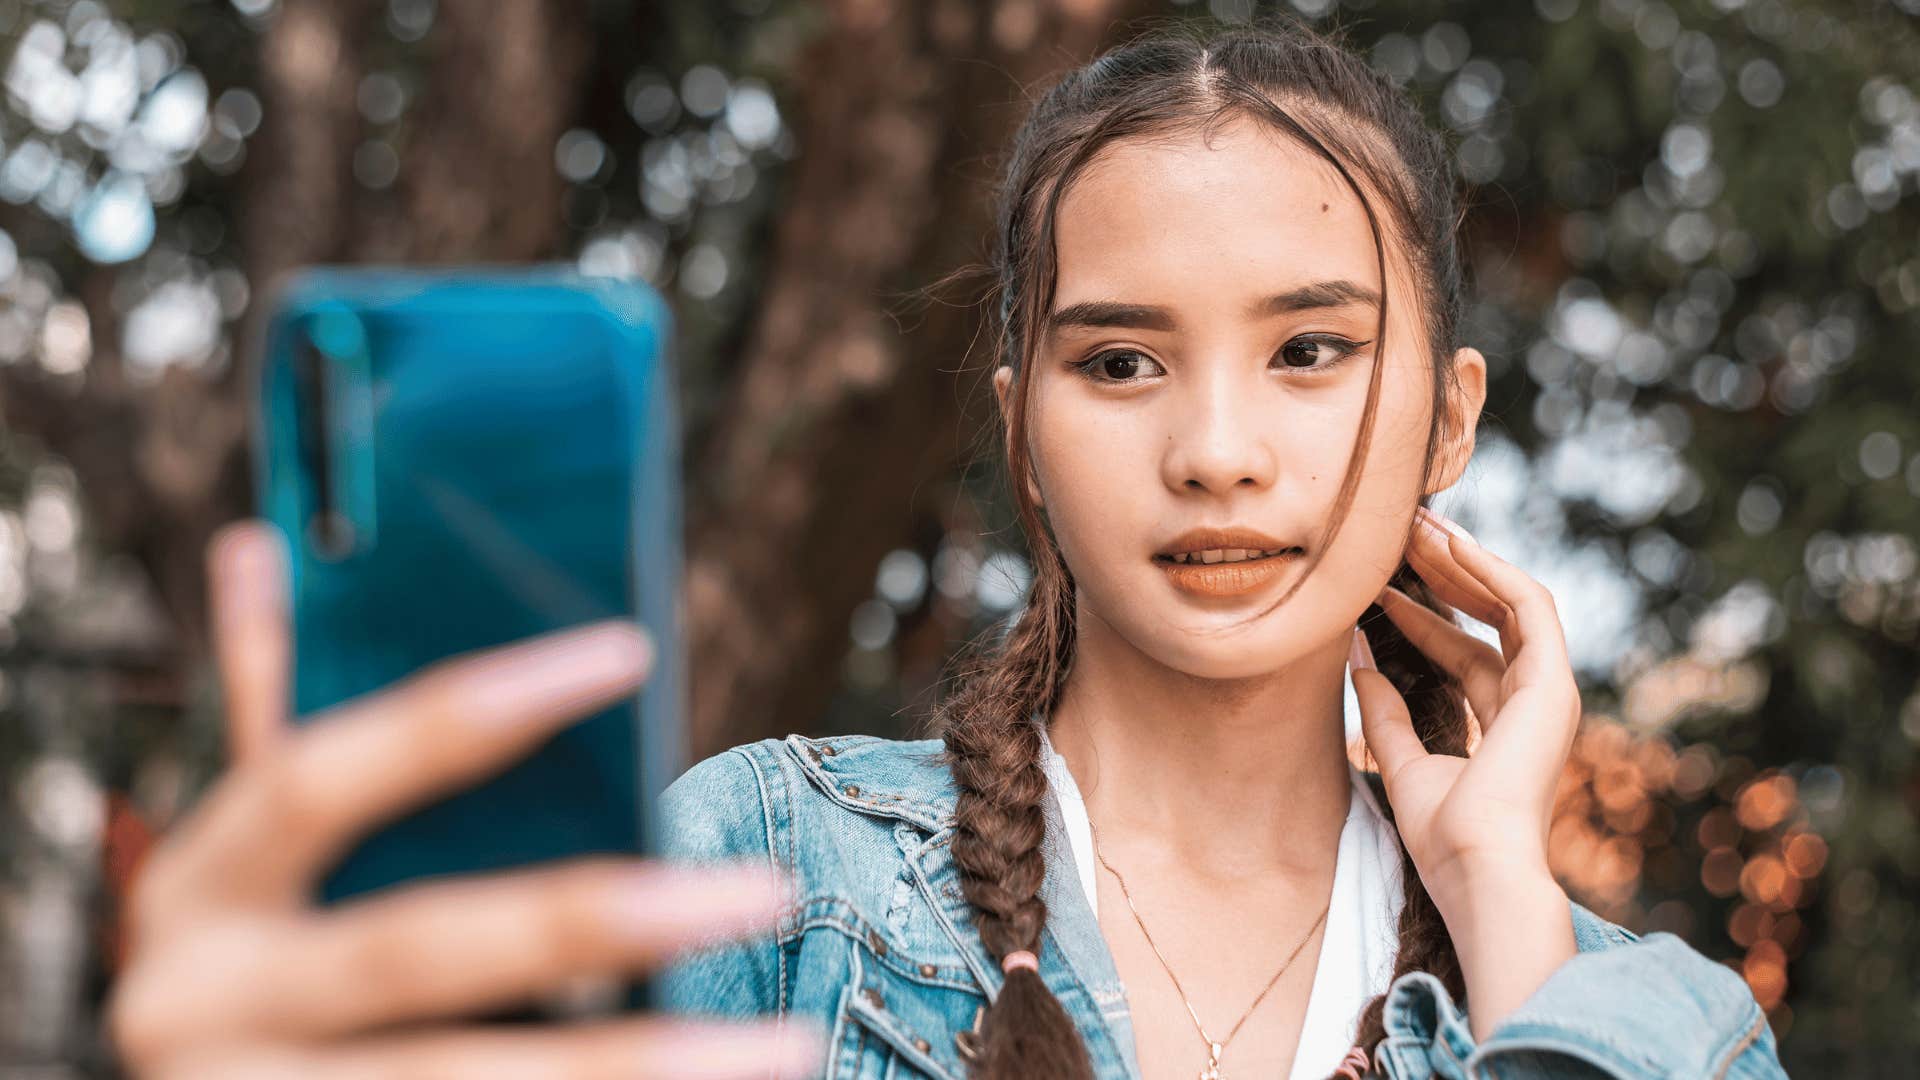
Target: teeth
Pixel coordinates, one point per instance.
(1218, 555)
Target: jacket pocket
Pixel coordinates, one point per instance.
(898, 1018)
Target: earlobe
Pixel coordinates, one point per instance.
(1465, 404)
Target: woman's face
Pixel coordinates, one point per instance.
(1206, 367)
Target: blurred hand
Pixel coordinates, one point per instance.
(233, 973)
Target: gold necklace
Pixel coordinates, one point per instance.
(1214, 1049)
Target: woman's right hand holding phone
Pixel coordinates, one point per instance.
(234, 972)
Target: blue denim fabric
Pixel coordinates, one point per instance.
(876, 943)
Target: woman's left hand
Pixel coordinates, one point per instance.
(1482, 818)
(1476, 827)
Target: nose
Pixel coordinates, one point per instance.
(1220, 435)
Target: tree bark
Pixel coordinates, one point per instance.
(840, 414)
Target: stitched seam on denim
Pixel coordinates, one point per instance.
(1477, 1065)
(898, 1038)
(1740, 1047)
(842, 1019)
(876, 1019)
(1627, 1051)
(773, 862)
(1399, 1012)
(943, 915)
(835, 915)
(1551, 1029)
(1402, 1056)
(1445, 1044)
(917, 811)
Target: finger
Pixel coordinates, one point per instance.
(1539, 679)
(645, 1047)
(454, 947)
(1432, 558)
(1384, 719)
(247, 612)
(1539, 645)
(1477, 666)
(374, 757)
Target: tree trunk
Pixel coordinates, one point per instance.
(841, 414)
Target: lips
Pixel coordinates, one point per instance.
(1221, 539)
(1228, 579)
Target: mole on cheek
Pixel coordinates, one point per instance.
(1323, 208)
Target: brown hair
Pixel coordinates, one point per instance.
(1168, 81)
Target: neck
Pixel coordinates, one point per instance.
(1233, 779)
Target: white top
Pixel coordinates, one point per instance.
(1361, 936)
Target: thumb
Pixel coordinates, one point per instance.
(1384, 719)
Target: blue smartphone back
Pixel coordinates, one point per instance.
(462, 459)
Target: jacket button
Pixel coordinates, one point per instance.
(922, 1045)
(928, 970)
(829, 750)
(873, 996)
(852, 791)
(874, 942)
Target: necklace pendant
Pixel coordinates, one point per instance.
(1212, 1071)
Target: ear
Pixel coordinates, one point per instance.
(1463, 420)
(1002, 386)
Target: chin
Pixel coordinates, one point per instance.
(1223, 662)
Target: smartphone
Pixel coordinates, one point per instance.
(461, 459)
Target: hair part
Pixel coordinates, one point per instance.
(1168, 82)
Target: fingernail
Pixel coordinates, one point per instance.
(609, 650)
(551, 677)
(1360, 652)
(243, 550)
(1448, 524)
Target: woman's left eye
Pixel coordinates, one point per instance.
(1312, 352)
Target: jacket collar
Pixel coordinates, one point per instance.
(888, 777)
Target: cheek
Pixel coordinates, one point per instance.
(1373, 535)
(1097, 478)
(1398, 450)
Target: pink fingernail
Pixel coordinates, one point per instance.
(1448, 524)
(1360, 652)
(541, 681)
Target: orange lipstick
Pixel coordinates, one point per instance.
(1228, 579)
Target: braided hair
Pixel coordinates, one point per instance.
(1315, 91)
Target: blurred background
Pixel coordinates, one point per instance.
(1692, 227)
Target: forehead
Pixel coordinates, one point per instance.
(1218, 218)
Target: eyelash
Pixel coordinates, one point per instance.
(1345, 348)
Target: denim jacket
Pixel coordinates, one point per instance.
(876, 943)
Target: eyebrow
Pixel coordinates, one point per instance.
(1112, 313)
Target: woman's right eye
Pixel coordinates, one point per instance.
(1116, 365)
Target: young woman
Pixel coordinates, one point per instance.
(1230, 379)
